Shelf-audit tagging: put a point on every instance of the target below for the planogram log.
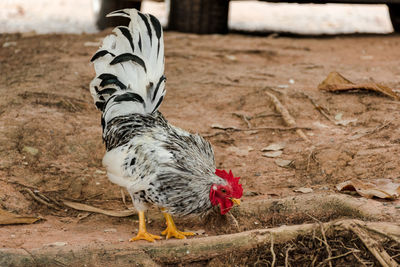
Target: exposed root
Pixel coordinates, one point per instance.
(272, 251)
(200, 249)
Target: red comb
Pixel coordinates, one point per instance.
(233, 181)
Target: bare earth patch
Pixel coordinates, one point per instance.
(50, 135)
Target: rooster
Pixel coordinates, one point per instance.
(159, 164)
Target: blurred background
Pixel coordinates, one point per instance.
(78, 16)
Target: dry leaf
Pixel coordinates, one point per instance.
(84, 207)
(304, 190)
(272, 154)
(336, 82)
(381, 188)
(274, 147)
(283, 162)
(241, 152)
(10, 218)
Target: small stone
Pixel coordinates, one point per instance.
(339, 116)
(56, 244)
(291, 81)
(272, 154)
(31, 150)
(110, 230)
(121, 240)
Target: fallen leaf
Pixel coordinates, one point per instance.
(283, 162)
(10, 218)
(304, 190)
(241, 152)
(274, 147)
(84, 207)
(272, 154)
(381, 188)
(336, 82)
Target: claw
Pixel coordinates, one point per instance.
(143, 234)
(171, 230)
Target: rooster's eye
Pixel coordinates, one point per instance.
(223, 190)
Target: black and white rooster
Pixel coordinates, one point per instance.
(155, 161)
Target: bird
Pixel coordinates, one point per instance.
(159, 164)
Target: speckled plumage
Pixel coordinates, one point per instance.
(160, 164)
(156, 162)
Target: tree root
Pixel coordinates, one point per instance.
(198, 249)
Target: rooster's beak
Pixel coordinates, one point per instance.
(236, 201)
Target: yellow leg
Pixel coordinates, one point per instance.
(143, 234)
(171, 230)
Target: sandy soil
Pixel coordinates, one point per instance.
(46, 105)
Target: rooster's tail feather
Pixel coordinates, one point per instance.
(130, 67)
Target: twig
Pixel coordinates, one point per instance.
(272, 251)
(320, 108)
(245, 118)
(40, 200)
(358, 258)
(32, 256)
(289, 120)
(328, 248)
(233, 129)
(338, 256)
(235, 221)
(287, 256)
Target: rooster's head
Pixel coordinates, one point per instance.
(226, 195)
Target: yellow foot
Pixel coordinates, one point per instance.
(145, 236)
(173, 232)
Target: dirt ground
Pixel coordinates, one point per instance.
(213, 80)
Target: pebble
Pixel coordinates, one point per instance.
(31, 150)
(56, 244)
